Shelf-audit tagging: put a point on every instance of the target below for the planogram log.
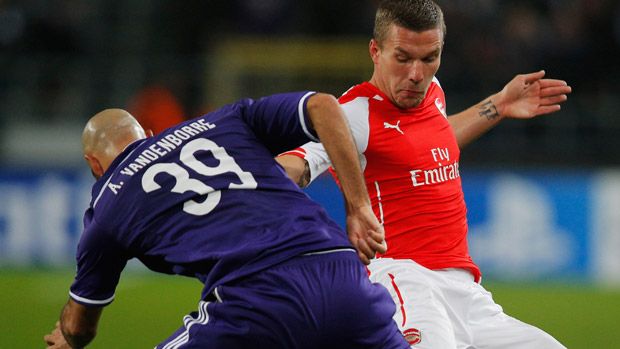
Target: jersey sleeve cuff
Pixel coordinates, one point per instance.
(303, 117)
(91, 302)
(299, 152)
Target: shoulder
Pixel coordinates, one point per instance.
(355, 102)
(354, 92)
(435, 90)
(357, 112)
(435, 97)
(95, 235)
(104, 214)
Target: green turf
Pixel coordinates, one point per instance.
(579, 316)
(148, 308)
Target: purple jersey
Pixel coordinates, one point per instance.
(204, 199)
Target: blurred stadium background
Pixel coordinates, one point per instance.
(543, 195)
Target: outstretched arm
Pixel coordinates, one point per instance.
(77, 327)
(525, 96)
(329, 122)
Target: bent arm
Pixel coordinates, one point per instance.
(329, 122)
(525, 96)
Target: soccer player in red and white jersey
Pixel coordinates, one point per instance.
(409, 150)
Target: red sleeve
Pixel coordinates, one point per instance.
(298, 152)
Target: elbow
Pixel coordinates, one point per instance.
(296, 168)
(321, 98)
(319, 106)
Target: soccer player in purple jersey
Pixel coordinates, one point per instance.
(206, 199)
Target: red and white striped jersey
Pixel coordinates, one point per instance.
(410, 160)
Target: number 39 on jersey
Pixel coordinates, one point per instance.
(184, 182)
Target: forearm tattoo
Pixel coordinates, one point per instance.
(488, 110)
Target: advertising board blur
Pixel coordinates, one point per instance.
(523, 225)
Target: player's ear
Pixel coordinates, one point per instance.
(95, 165)
(373, 48)
(149, 133)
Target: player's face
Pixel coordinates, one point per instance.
(405, 64)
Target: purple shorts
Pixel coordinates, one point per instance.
(322, 300)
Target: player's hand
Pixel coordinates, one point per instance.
(365, 233)
(56, 340)
(529, 95)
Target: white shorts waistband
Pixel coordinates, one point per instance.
(457, 274)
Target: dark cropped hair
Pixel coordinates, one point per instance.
(415, 15)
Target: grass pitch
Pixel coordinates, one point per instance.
(149, 307)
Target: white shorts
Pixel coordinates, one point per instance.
(447, 309)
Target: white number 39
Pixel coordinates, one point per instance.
(183, 182)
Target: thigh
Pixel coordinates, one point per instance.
(256, 312)
(310, 302)
(264, 311)
(421, 312)
(357, 312)
(333, 304)
(492, 328)
(218, 326)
